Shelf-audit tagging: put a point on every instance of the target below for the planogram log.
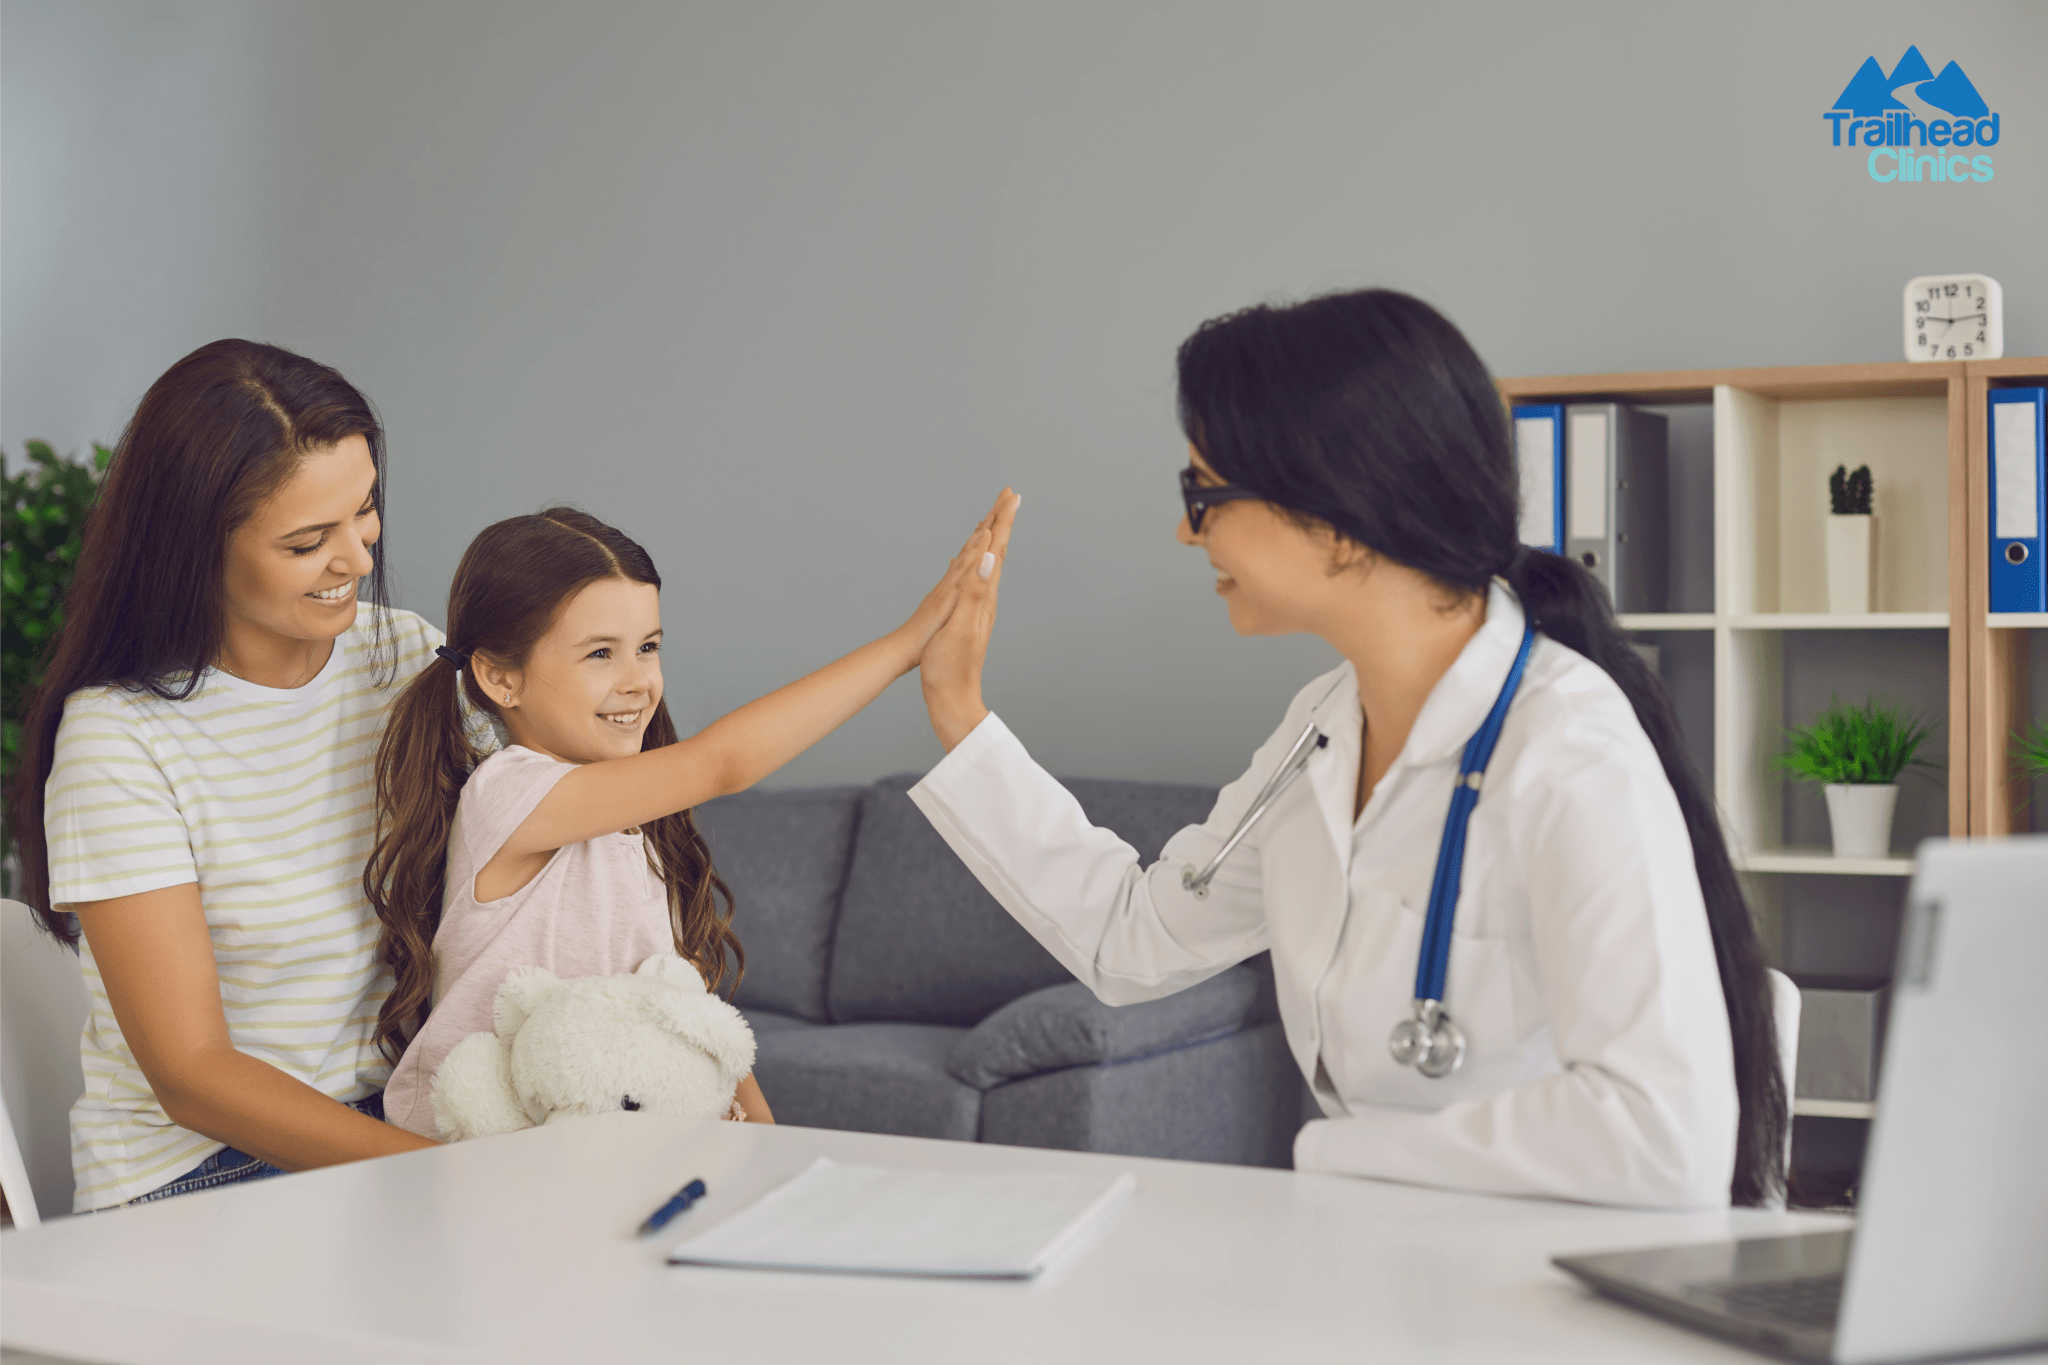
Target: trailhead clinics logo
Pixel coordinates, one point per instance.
(1914, 143)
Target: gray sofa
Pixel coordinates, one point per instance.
(889, 993)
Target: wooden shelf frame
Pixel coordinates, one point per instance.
(1987, 682)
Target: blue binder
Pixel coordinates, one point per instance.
(1539, 456)
(2019, 500)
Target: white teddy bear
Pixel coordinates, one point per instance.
(653, 1040)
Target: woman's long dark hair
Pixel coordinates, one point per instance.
(512, 580)
(221, 431)
(1369, 412)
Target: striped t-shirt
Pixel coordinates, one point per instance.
(266, 798)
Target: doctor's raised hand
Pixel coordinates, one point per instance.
(950, 671)
(1508, 946)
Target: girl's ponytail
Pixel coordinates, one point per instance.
(423, 760)
(1568, 604)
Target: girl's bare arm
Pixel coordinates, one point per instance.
(738, 750)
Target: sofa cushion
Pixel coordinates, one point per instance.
(870, 1078)
(1236, 1099)
(765, 1022)
(918, 939)
(1065, 1025)
(784, 854)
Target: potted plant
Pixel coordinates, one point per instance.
(2030, 750)
(1852, 540)
(42, 526)
(1857, 753)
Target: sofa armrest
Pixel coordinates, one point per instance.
(1065, 1025)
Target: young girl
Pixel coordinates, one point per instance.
(572, 848)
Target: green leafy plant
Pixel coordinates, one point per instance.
(42, 524)
(1850, 494)
(2030, 749)
(1871, 743)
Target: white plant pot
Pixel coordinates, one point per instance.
(1860, 815)
(1852, 562)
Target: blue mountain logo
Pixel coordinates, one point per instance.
(1912, 143)
(1871, 93)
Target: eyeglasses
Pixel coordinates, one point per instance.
(1200, 497)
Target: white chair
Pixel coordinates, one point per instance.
(43, 1007)
(1785, 1005)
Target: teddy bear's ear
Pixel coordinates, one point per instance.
(519, 997)
(713, 1026)
(672, 969)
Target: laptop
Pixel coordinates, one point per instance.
(1949, 1255)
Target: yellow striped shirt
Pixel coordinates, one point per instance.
(264, 797)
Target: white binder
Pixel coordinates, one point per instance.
(1617, 518)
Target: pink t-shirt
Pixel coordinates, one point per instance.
(596, 909)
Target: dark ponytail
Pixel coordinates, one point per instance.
(1569, 605)
(1370, 413)
(511, 581)
(422, 762)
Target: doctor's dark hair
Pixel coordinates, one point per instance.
(1369, 413)
(217, 434)
(512, 582)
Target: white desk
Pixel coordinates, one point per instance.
(520, 1248)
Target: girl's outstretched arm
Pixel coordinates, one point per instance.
(738, 750)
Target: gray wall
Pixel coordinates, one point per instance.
(789, 290)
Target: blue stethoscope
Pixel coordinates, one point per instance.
(1431, 1041)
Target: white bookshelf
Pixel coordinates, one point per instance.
(1667, 620)
(1821, 620)
(1821, 861)
(1772, 454)
(1776, 433)
(1833, 1109)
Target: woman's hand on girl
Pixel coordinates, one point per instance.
(951, 665)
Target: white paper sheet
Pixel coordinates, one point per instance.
(1586, 476)
(871, 1220)
(2015, 471)
(1536, 455)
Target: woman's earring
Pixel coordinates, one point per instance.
(508, 699)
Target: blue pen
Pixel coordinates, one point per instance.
(682, 1199)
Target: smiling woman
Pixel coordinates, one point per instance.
(194, 796)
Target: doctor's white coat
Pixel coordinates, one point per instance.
(1598, 1064)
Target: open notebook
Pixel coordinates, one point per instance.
(867, 1220)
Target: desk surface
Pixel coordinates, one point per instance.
(521, 1248)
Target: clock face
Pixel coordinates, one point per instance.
(1954, 317)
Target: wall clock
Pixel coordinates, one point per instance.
(1954, 317)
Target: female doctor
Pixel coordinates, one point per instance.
(1545, 985)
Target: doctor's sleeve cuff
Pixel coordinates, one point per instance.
(1306, 1145)
(950, 772)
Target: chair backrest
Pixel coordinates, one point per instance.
(1785, 1006)
(43, 1007)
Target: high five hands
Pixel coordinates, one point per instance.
(950, 668)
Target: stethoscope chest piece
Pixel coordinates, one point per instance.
(1431, 1041)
